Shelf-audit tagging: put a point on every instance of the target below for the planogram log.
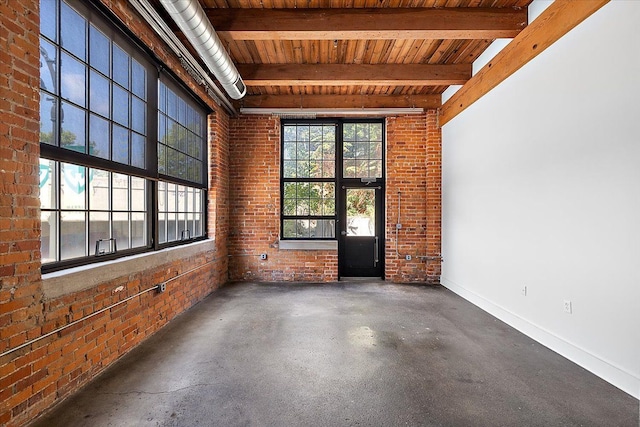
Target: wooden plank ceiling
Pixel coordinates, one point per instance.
(356, 53)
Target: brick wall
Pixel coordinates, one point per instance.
(36, 376)
(414, 174)
(413, 168)
(255, 210)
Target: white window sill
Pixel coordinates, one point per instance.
(308, 245)
(68, 281)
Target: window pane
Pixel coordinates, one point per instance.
(73, 79)
(138, 230)
(48, 14)
(139, 79)
(171, 227)
(72, 187)
(197, 227)
(72, 133)
(375, 131)
(321, 228)
(73, 31)
(98, 229)
(138, 115)
(120, 189)
(48, 123)
(99, 50)
(162, 228)
(120, 105)
(48, 53)
(47, 184)
(48, 236)
(120, 66)
(162, 196)
(289, 169)
(99, 137)
(73, 242)
(295, 228)
(137, 150)
(171, 198)
(99, 98)
(120, 144)
(98, 190)
(121, 229)
(138, 194)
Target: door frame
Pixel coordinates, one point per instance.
(342, 221)
(341, 211)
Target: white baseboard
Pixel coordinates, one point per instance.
(608, 371)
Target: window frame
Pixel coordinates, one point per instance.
(340, 180)
(97, 15)
(284, 180)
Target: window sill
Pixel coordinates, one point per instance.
(308, 245)
(71, 280)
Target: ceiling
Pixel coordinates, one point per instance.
(356, 53)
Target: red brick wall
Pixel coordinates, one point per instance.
(413, 168)
(255, 210)
(49, 369)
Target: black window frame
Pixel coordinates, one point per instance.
(99, 15)
(339, 180)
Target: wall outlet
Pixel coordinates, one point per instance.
(162, 287)
(524, 291)
(263, 256)
(407, 257)
(567, 307)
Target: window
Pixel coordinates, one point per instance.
(362, 150)
(181, 159)
(308, 181)
(101, 107)
(319, 158)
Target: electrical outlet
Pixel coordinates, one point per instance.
(524, 291)
(407, 257)
(567, 307)
(263, 256)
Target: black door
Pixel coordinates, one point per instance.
(361, 231)
(360, 206)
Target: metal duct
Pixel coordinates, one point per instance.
(193, 22)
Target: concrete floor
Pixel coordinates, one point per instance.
(357, 354)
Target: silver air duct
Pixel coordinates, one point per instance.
(193, 22)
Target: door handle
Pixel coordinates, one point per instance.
(376, 249)
(343, 233)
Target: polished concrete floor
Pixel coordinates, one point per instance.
(347, 354)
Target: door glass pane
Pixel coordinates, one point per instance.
(361, 211)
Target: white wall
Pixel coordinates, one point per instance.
(541, 188)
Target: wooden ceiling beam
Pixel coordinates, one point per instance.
(353, 74)
(342, 101)
(554, 22)
(367, 23)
